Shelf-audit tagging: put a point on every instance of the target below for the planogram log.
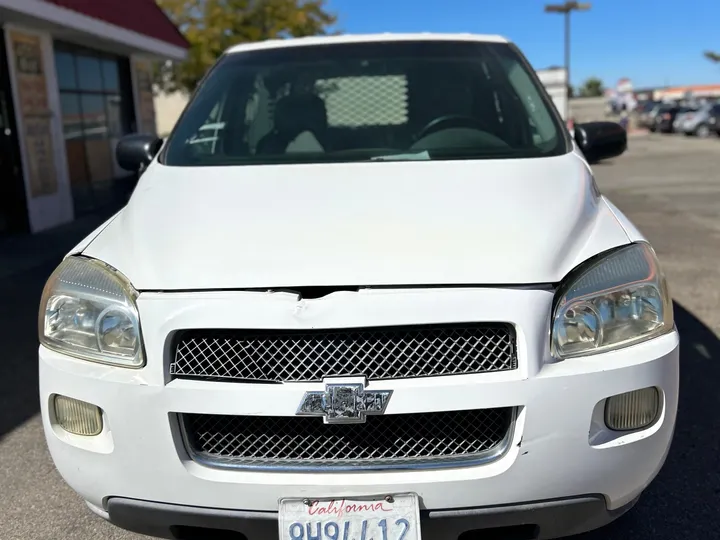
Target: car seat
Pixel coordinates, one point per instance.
(296, 115)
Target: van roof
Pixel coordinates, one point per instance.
(361, 38)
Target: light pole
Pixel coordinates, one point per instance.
(566, 9)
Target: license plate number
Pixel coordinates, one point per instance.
(397, 518)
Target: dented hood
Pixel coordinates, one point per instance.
(498, 222)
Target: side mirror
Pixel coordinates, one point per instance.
(135, 152)
(601, 140)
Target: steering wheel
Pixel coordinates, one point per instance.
(451, 121)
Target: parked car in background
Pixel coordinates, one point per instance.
(666, 117)
(696, 123)
(713, 121)
(654, 117)
(680, 117)
(647, 112)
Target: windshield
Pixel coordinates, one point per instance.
(371, 101)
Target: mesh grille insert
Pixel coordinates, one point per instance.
(383, 441)
(377, 353)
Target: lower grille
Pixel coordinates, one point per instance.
(423, 440)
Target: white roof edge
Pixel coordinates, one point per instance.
(362, 38)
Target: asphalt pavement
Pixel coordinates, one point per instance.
(668, 185)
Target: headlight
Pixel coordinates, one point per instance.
(616, 301)
(88, 311)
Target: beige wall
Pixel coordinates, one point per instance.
(555, 82)
(588, 109)
(168, 108)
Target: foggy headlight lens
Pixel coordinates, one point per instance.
(88, 311)
(618, 301)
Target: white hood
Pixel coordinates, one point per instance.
(392, 223)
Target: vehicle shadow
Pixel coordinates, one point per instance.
(683, 501)
(19, 302)
(20, 292)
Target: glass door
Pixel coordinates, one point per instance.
(13, 207)
(95, 104)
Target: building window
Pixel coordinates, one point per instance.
(97, 110)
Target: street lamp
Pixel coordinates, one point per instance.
(566, 9)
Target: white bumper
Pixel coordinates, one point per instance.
(560, 446)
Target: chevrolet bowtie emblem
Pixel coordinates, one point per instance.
(344, 403)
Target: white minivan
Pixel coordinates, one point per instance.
(367, 288)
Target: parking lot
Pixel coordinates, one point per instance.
(668, 185)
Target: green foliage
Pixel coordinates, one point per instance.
(211, 26)
(712, 56)
(592, 87)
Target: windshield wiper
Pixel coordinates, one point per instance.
(418, 156)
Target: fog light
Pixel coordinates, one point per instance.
(632, 410)
(77, 417)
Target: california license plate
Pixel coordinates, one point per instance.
(372, 518)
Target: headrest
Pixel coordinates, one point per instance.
(297, 113)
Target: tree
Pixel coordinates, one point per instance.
(712, 56)
(211, 26)
(592, 87)
(570, 91)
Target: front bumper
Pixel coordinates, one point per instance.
(560, 447)
(537, 520)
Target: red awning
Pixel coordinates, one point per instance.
(141, 16)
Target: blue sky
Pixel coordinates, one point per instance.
(653, 42)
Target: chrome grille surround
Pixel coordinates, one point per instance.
(403, 441)
(378, 353)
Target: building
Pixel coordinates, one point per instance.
(75, 76)
(690, 92)
(556, 83)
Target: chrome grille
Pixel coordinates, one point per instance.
(377, 353)
(388, 441)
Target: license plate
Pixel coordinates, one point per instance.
(367, 518)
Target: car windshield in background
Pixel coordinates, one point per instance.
(374, 101)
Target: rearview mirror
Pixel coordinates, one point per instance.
(601, 140)
(135, 152)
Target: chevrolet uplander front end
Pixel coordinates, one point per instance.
(366, 289)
